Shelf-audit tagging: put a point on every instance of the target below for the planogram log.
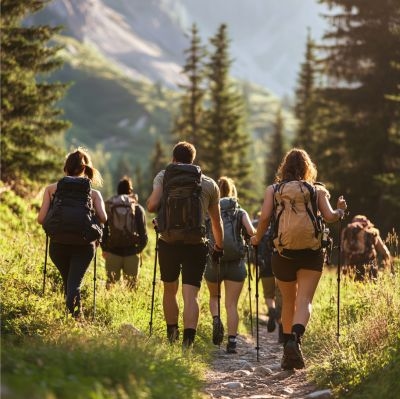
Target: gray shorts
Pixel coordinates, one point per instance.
(233, 270)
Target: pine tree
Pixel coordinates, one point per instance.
(188, 124)
(226, 142)
(159, 160)
(276, 149)
(29, 115)
(362, 49)
(306, 106)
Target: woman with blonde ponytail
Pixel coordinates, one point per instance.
(72, 252)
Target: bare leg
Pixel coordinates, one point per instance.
(288, 292)
(190, 306)
(307, 282)
(213, 302)
(170, 303)
(232, 293)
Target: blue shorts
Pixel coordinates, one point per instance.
(233, 270)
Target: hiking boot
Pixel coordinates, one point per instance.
(218, 331)
(172, 334)
(231, 345)
(187, 344)
(280, 334)
(271, 320)
(292, 356)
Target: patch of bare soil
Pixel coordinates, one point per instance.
(241, 376)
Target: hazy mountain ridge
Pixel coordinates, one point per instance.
(125, 60)
(147, 38)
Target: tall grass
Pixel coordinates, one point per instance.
(46, 354)
(368, 345)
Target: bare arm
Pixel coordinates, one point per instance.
(382, 249)
(47, 196)
(99, 206)
(248, 225)
(216, 224)
(153, 202)
(265, 217)
(328, 213)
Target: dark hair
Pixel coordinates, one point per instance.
(297, 165)
(78, 162)
(227, 187)
(125, 186)
(184, 152)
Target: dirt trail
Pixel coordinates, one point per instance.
(241, 376)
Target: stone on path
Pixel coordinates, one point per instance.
(324, 394)
(232, 385)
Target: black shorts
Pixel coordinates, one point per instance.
(191, 259)
(285, 269)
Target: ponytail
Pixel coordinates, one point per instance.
(78, 162)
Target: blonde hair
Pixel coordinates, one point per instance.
(297, 165)
(227, 187)
(78, 162)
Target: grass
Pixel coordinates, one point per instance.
(47, 355)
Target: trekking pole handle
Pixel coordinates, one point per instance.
(155, 224)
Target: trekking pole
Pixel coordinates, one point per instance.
(45, 263)
(154, 278)
(249, 277)
(257, 329)
(338, 280)
(219, 297)
(94, 282)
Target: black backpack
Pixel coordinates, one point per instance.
(71, 218)
(122, 222)
(180, 214)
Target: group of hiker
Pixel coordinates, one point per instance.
(203, 232)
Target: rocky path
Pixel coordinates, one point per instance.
(240, 376)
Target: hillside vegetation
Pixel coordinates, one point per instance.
(46, 354)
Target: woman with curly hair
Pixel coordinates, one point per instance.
(297, 271)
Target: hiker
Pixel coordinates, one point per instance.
(271, 292)
(183, 193)
(361, 244)
(124, 235)
(73, 243)
(298, 258)
(232, 268)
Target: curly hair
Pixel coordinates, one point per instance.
(297, 165)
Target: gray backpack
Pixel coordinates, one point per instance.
(231, 214)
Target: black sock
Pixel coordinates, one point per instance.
(171, 328)
(232, 338)
(188, 335)
(298, 331)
